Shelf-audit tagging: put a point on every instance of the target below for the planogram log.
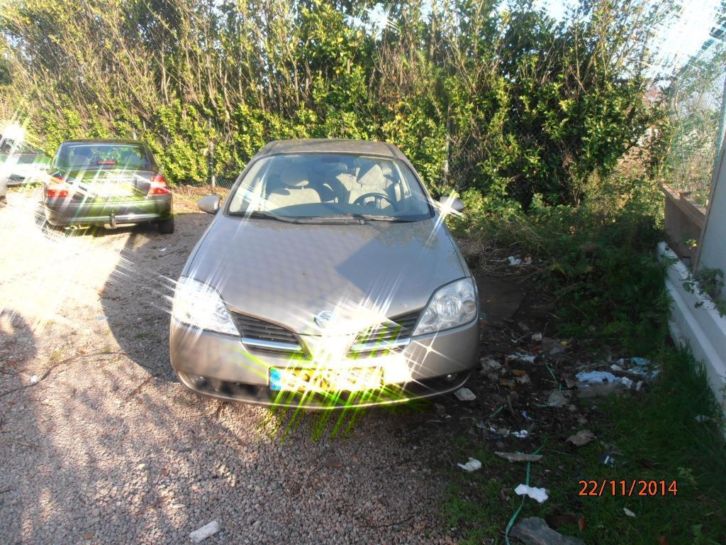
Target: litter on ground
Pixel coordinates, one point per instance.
(519, 456)
(471, 465)
(205, 531)
(556, 399)
(608, 459)
(521, 357)
(490, 364)
(596, 377)
(535, 531)
(464, 394)
(537, 494)
(581, 438)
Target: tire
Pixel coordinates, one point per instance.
(166, 227)
(48, 227)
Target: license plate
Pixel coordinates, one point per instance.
(113, 190)
(325, 380)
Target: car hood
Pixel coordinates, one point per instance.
(288, 273)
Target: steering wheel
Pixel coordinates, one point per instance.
(377, 199)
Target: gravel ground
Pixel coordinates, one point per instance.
(99, 443)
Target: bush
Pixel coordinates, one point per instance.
(501, 99)
(599, 264)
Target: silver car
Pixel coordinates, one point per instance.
(326, 279)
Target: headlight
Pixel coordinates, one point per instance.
(199, 305)
(452, 305)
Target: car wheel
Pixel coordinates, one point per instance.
(166, 227)
(48, 227)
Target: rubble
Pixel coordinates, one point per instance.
(514, 261)
(553, 347)
(205, 531)
(521, 377)
(489, 364)
(640, 367)
(464, 394)
(518, 456)
(557, 399)
(632, 374)
(521, 357)
(581, 438)
(535, 531)
(595, 377)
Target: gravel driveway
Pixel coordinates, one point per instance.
(99, 443)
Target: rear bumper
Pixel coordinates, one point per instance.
(61, 213)
(222, 366)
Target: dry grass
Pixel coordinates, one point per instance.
(186, 196)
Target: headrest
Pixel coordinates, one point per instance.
(292, 176)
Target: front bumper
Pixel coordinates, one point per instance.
(221, 366)
(61, 213)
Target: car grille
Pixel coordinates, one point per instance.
(398, 328)
(265, 335)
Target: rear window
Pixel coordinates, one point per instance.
(95, 156)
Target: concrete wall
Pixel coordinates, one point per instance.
(696, 323)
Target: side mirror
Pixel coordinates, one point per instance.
(209, 204)
(455, 204)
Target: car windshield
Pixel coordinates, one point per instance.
(103, 155)
(327, 186)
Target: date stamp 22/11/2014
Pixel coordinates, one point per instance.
(627, 488)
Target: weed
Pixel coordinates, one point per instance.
(711, 283)
(657, 438)
(600, 264)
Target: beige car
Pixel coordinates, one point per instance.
(327, 279)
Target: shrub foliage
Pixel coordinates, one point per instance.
(501, 99)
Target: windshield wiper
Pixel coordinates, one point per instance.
(392, 219)
(264, 215)
(359, 218)
(338, 218)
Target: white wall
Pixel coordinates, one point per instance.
(712, 252)
(696, 323)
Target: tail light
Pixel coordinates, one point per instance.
(158, 186)
(57, 188)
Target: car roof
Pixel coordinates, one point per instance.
(104, 141)
(330, 145)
